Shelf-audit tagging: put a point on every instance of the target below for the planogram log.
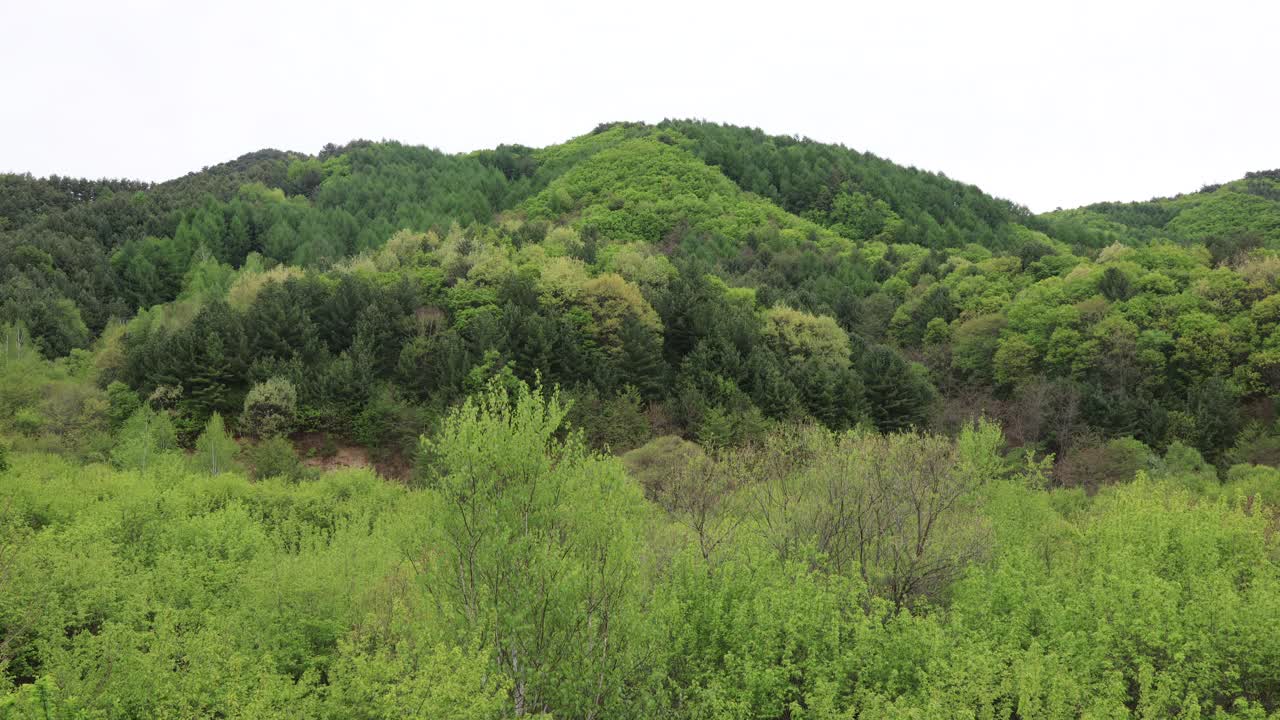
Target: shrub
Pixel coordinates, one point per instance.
(270, 408)
(122, 402)
(275, 457)
(27, 422)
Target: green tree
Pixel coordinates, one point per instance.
(1115, 285)
(144, 436)
(534, 551)
(641, 364)
(216, 450)
(122, 402)
(274, 456)
(270, 408)
(898, 393)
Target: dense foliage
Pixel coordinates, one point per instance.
(813, 574)
(676, 271)
(667, 421)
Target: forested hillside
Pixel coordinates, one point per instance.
(681, 420)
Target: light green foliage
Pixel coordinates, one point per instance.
(639, 264)
(122, 402)
(270, 408)
(611, 300)
(144, 437)
(1169, 593)
(653, 463)
(216, 450)
(858, 215)
(800, 336)
(1014, 361)
(838, 575)
(534, 550)
(642, 189)
(418, 682)
(163, 594)
(1117, 560)
(1226, 211)
(975, 343)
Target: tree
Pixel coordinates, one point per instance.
(611, 301)
(532, 550)
(122, 402)
(1115, 285)
(1014, 361)
(641, 364)
(898, 393)
(145, 435)
(974, 346)
(216, 450)
(800, 336)
(274, 456)
(270, 408)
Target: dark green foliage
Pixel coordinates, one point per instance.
(1211, 406)
(852, 191)
(386, 282)
(641, 364)
(899, 394)
(1115, 285)
(614, 423)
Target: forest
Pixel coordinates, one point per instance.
(680, 420)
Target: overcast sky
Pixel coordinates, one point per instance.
(1046, 103)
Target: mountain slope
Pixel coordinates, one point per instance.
(1241, 214)
(721, 277)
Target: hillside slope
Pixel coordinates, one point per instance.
(686, 277)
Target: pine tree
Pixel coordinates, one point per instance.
(641, 364)
(898, 394)
(771, 390)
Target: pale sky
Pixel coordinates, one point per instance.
(1045, 103)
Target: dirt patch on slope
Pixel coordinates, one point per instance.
(319, 450)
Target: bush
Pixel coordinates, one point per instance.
(655, 462)
(1253, 482)
(275, 457)
(122, 402)
(1255, 446)
(1092, 467)
(377, 422)
(27, 422)
(270, 408)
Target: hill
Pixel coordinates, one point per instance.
(676, 421)
(715, 278)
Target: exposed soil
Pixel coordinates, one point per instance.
(330, 452)
(311, 447)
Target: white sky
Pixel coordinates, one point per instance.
(1045, 103)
